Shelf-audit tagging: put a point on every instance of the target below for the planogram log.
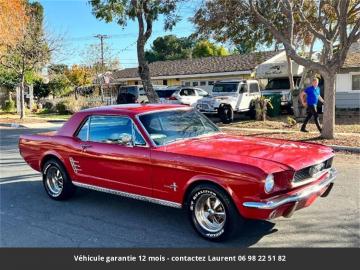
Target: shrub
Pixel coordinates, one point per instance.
(49, 106)
(261, 107)
(69, 105)
(9, 105)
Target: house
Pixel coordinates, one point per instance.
(198, 72)
(348, 80)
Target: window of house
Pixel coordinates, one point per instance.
(210, 82)
(165, 82)
(355, 82)
(195, 83)
(202, 83)
(186, 83)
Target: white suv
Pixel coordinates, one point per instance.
(229, 97)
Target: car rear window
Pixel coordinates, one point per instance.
(165, 93)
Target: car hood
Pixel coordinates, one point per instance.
(254, 150)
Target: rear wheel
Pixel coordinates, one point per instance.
(212, 213)
(56, 180)
(226, 114)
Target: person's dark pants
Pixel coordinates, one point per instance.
(312, 111)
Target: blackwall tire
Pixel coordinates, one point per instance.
(226, 114)
(56, 181)
(212, 213)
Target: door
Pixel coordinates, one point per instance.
(111, 153)
(242, 97)
(187, 96)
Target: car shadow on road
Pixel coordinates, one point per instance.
(172, 224)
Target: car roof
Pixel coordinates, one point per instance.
(132, 109)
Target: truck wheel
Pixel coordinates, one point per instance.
(56, 180)
(226, 114)
(212, 213)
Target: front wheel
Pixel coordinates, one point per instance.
(212, 213)
(56, 180)
(226, 114)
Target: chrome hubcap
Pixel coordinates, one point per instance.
(54, 181)
(210, 213)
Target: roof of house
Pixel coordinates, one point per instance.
(352, 60)
(215, 64)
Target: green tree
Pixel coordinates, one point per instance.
(31, 52)
(169, 47)
(224, 21)
(41, 89)
(145, 12)
(59, 85)
(8, 78)
(205, 48)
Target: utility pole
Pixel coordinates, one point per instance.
(102, 37)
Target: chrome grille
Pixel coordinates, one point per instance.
(304, 174)
(301, 175)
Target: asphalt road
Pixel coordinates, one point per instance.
(28, 218)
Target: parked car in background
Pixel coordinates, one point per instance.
(281, 86)
(166, 95)
(175, 156)
(189, 95)
(229, 97)
(128, 94)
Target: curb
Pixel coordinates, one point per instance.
(345, 148)
(13, 125)
(33, 125)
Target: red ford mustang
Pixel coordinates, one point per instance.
(175, 156)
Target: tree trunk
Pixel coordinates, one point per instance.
(22, 98)
(329, 108)
(144, 72)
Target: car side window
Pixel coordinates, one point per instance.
(243, 88)
(83, 132)
(187, 92)
(110, 129)
(254, 88)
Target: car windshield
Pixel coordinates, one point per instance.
(225, 87)
(278, 84)
(169, 126)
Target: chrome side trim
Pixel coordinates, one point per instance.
(75, 165)
(128, 195)
(281, 200)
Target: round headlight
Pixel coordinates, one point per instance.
(269, 183)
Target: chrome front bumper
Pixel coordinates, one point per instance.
(303, 194)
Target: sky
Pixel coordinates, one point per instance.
(73, 20)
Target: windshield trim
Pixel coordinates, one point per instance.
(175, 141)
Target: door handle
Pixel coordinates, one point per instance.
(85, 146)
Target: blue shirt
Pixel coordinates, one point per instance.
(312, 95)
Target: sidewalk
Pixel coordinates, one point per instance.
(286, 131)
